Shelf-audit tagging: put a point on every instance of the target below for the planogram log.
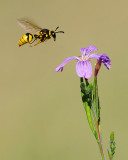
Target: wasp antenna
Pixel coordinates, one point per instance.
(56, 28)
(60, 32)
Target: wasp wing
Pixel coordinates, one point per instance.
(28, 26)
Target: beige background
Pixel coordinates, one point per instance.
(41, 113)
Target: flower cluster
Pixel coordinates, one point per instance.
(83, 65)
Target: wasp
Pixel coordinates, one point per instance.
(42, 35)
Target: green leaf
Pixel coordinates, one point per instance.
(86, 93)
(96, 136)
(89, 116)
(96, 102)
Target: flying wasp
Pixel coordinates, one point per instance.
(42, 34)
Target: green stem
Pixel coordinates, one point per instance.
(100, 142)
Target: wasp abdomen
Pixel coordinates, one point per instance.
(26, 38)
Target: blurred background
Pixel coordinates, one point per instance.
(41, 113)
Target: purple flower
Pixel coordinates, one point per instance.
(83, 65)
(102, 59)
(105, 60)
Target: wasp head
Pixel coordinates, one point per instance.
(53, 35)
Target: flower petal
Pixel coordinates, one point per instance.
(84, 69)
(95, 56)
(90, 49)
(88, 70)
(60, 67)
(80, 68)
(105, 60)
(83, 51)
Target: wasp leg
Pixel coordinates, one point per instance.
(42, 39)
(36, 44)
(33, 41)
(45, 40)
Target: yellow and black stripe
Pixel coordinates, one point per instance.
(26, 38)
